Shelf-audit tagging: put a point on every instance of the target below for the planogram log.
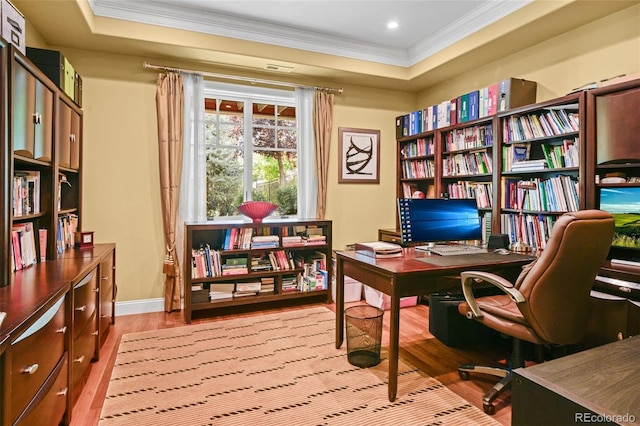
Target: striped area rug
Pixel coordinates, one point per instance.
(275, 369)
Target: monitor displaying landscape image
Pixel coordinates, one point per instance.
(624, 204)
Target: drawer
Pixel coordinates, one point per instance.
(48, 408)
(84, 301)
(84, 347)
(34, 354)
(106, 310)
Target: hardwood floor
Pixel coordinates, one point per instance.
(417, 346)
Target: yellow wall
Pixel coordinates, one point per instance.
(121, 200)
(603, 49)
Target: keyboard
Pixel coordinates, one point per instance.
(451, 249)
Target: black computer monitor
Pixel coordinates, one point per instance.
(426, 220)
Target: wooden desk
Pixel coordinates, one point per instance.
(416, 273)
(598, 386)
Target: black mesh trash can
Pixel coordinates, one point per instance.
(364, 335)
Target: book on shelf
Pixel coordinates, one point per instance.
(23, 245)
(379, 249)
(42, 235)
(26, 192)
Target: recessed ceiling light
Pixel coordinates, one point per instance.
(392, 25)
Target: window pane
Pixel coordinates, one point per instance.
(287, 139)
(264, 137)
(275, 179)
(224, 181)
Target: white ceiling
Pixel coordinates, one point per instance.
(349, 28)
(320, 42)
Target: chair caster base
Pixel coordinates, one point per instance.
(489, 409)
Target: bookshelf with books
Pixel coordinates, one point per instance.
(241, 263)
(541, 173)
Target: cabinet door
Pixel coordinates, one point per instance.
(64, 134)
(69, 136)
(32, 110)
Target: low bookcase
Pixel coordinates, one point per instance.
(239, 262)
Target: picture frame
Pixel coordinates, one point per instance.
(358, 155)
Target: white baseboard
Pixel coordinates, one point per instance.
(139, 306)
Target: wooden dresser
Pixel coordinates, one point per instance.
(57, 315)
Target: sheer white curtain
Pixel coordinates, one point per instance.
(307, 177)
(193, 197)
(193, 187)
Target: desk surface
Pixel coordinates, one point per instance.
(415, 273)
(425, 262)
(605, 379)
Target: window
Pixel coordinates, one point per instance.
(251, 148)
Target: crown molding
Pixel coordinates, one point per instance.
(206, 22)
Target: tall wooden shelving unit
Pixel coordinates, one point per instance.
(59, 306)
(212, 235)
(468, 159)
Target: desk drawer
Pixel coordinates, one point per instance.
(49, 408)
(84, 348)
(84, 301)
(34, 354)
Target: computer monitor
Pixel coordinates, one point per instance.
(427, 220)
(624, 204)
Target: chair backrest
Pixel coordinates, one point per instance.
(557, 287)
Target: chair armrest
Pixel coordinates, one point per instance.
(468, 278)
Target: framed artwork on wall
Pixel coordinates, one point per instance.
(359, 155)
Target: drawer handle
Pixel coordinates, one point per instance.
(63, 392)
(96, 290)
(37, 118)
(104, 278)
(31, 369)
(81, 308)
(62, 330)
(95, 333)
(79, 360)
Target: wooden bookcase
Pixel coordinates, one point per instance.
(43, 152)
(471, 160)
(552, 134)
(296, 276)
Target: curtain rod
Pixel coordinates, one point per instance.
(235, 77)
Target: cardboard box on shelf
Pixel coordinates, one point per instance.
(383, 301)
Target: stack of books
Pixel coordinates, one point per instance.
(221, 291)
(265, 241)
(292, 241)
(316, 240)
(250, 288)
(235, 266)
(526, 165)
(267, 285)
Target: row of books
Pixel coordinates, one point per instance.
(555, 194)
(507, 93)
(248, 238)
(26, 192)
(533, 230)
(551, 122)
(469, 137)
(418, 148)
(208, 263)
(471, 163)
(417, 169)
(24, 252)
(67, 227)
(481, 191)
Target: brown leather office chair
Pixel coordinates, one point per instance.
(549, 302)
